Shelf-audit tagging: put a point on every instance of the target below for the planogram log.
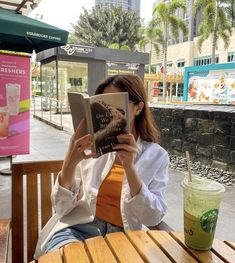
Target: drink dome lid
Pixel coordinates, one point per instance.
(203, 184)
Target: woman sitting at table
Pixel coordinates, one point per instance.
(119, 191)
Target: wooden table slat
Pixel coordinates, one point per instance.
(231, 244)
(223, 251)
(146, 247)
(171, 247)
(99, 250)
(122, 248)
(203, 256)
(51, 257)
(75, 253)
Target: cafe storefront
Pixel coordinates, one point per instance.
(76, 68)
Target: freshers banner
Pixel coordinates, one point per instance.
(14, 104)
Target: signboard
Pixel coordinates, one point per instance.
(210, 84)
(14, 104)
(76, 50)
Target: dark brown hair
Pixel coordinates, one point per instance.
(132, 84)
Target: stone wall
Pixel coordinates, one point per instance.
(206, 131)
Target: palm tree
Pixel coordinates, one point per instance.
(170, 24)
(153, 36)
(215, 23)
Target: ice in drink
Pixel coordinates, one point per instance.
(13, 98)
(202, 199)
(4, 122)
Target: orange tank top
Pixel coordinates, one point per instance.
(108, 199)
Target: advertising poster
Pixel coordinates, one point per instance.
(14, 104)
(216, 86)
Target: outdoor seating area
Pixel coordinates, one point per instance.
(161, 242)
(31, 189)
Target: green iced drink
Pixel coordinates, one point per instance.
(202, 199)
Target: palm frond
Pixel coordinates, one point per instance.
(199, 5)
(174, 5)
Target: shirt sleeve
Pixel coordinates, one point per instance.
(149, 205)
(64, 200)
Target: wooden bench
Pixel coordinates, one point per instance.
(4, 239)
(31, 188)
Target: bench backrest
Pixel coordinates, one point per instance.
(31, 204)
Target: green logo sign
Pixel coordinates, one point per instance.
(208, 220)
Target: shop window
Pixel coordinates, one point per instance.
(204, 60)
(49, 87)
(231, 57)
(72, 77)
(180, 64)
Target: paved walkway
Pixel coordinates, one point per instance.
(48, 143)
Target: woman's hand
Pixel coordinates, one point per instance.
(126, 150)
(78, 144)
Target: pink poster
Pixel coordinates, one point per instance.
(14, 104)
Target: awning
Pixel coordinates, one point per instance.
(24, 34)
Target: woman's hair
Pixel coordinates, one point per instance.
(132, 84)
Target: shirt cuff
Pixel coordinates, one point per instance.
(64, 191)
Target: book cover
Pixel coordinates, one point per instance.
(107, 115)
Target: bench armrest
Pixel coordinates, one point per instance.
(4, 238)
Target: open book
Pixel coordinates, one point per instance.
(107, 115)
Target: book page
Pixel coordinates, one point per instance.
(78, 105)
(110, 117)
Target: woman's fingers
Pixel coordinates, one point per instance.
(126, 139)
(80, 128)
(83, 140)
(125, 147)
(126, 142)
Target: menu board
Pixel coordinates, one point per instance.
(14, 104)
(215, 86)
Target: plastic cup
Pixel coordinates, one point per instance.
(202, 199)
(4, 122)
(13, 98)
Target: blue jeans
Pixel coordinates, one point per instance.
(80, 232)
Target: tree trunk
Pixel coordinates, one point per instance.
(150, 57)
(191, 20)
(214, 36)
(164, 65)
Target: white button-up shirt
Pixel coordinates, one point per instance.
(78, 205)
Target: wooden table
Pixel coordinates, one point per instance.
(139, 246)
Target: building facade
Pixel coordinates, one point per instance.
(187, 54)
(127, 5)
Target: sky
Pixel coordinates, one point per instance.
(62, 13)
